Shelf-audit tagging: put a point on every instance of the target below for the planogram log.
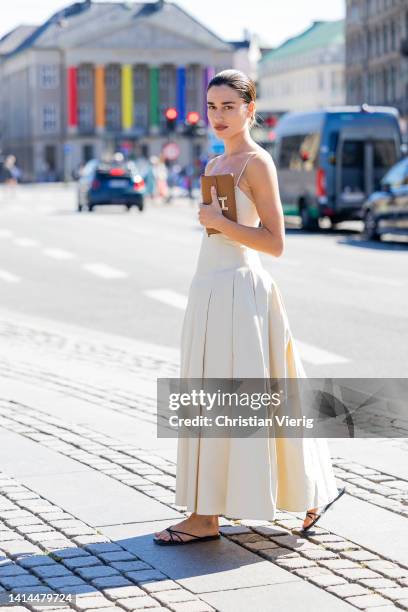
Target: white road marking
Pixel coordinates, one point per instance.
(58, 254)
(168, 297)
(5, 233)
(104, 271)
(392, 282)
(317, 356)
(307, 352)
(9, 277)
(26, 242)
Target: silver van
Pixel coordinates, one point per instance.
(330, 161)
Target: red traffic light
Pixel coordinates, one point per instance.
(193, 117)
(171, 114)
(271, 121)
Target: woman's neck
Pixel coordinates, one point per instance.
(240, 143)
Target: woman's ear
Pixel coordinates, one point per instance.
(251, 110)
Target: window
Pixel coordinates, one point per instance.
(140, 112)
(85, 115)
(385, 37)
(139, 77)
(164, 77)
(393, 37)
(384, 153)
(397, 175)
(84, 77)
(49, 118)
(299, 152)
(191, 78)
(112, 77)
(112, 116)
(49, 76)
(352, 154)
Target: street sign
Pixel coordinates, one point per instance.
(171, 151)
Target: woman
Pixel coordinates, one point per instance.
(236, 326)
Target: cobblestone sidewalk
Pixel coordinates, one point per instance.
(47, 549)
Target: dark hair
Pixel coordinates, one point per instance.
(239, 81)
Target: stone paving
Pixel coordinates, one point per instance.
(47, 548)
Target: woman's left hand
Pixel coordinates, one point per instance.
(209, 215)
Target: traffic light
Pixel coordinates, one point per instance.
(271, 121)
(171, 118)
(195, 126)
(193, 118)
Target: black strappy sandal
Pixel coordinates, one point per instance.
(325, 508)
(173, 542)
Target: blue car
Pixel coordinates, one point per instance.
(102, 183)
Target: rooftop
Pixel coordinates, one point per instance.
(320, 34)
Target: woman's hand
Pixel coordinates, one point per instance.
(210, 215)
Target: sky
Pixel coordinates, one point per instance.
(273, 20)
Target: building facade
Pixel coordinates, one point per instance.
(96, 78)
(377, 53)
(306, 72)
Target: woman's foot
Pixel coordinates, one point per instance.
(196, 524)
(310, 517)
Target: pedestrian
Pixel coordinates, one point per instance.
(236, 326)
(9, 178)
(9, 172)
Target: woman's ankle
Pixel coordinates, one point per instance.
(207, 519)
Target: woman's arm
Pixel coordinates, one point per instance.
(270, 238)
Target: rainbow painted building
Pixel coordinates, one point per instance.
(97, 77)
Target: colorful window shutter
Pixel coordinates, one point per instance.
(127, 97)
(72, 101)
(181, 93)
(100, 97)
(154, 96)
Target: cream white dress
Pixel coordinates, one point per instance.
(235, 325)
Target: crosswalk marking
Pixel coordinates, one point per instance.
(104, 271)
(58, 254)
(168, 297)
(8, 277)
(307, 352)
(26, 242)
(392, 282)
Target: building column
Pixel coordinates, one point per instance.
(127, 96)
(99, 99)
(154, 119)
(181, 93)
(72, 99)
(208, 74)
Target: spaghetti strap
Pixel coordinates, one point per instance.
(243, 168)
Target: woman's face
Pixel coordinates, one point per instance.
(228, 114)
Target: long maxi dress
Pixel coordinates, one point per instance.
(235, 325)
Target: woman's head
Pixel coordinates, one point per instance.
(231, 96)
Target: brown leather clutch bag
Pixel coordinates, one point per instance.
(224, 184)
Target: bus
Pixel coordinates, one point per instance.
(329, 161)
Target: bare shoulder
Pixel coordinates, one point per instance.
(261, 163)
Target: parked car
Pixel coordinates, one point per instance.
(329, 161)
(102, 183)
(386, 210)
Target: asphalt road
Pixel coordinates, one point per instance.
(129, 274)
